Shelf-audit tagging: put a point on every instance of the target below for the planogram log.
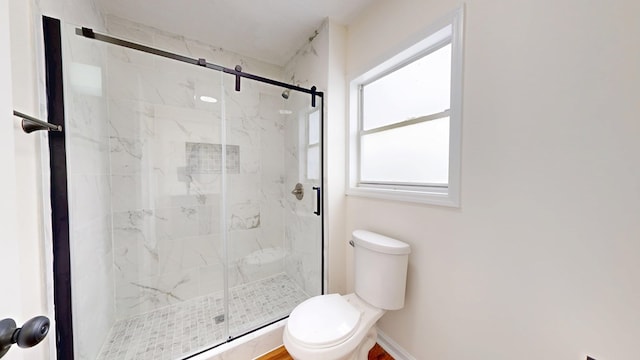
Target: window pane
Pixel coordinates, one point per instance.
(418, 89)
(313, 162)
(416, 153)
(314, 127)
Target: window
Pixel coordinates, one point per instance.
(405, 120)
(313, 145)
(309, 144)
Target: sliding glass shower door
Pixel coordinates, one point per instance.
(274, 234)
(194, 209)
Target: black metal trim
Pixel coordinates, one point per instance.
(59, 197)
(318, 210)
(313, 96)
(89, 33)
(238, 69)
(322, 184)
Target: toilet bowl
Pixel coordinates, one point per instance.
(331, 327)
(342, 327)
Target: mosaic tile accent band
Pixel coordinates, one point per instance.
(205, 158)
(188, 327)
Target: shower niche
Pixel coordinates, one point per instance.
(183, 233)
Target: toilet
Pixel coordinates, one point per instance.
(342, 327)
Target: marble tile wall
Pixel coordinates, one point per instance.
(303, 240)
(170, 216)
(166, 228)
(87, 143)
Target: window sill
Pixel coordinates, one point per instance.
(442, 198)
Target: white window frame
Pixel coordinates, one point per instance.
(449, 27)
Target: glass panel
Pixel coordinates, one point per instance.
(303, 229)
(274, 240)
(415, 90)
(88, 180)
(144, 170)
(410, 154)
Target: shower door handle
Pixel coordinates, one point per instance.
(318, 199)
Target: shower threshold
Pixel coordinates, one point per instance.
(185, 328)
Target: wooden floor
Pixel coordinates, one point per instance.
(376, 353)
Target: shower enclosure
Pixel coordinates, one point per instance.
(195, 213)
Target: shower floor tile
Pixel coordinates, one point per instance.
(182, 329)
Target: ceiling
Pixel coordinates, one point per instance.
(269, 30)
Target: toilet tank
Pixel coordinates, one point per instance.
(380, 269)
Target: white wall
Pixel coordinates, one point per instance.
(541, 261)
(28, 207)
(335, 159)
(10, 301)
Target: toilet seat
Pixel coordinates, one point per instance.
(323, 321)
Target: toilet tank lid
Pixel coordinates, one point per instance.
(380, 243)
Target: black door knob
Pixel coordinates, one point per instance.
(30, 334)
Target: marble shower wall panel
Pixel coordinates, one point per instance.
(308, 67)
(88, 168)
(255, 222)
(273, 187)
(166, 218)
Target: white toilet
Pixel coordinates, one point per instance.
(335, 327)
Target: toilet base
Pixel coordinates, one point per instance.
(359, 353)
(369, 341)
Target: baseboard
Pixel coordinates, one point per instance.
(392, 347)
